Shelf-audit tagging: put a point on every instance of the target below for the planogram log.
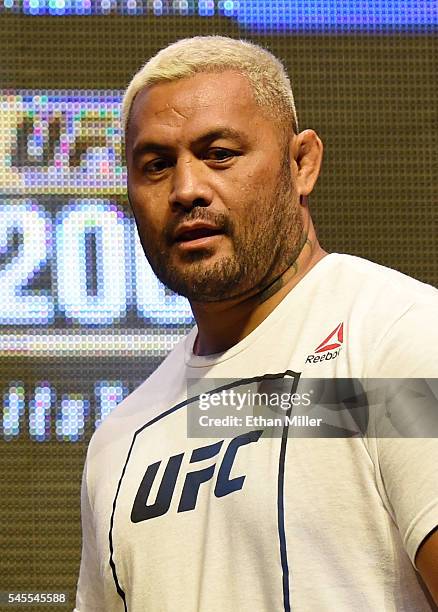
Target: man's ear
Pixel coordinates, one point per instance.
(306, 153)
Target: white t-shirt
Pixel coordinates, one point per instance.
(265, 524)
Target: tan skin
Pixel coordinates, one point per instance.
(176, 115)
(427, 563)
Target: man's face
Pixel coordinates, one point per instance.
(210, 186)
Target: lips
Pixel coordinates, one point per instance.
(186, 233)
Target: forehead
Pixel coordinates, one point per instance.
(195, 104)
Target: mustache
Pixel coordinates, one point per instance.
(220, 220)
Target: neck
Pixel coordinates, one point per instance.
(223, 324)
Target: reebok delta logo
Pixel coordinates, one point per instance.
(330, 347)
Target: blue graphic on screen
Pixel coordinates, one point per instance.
(65, 416)
(13, 410)
(259, 15)
(61, 144)
(74, 281)
(124, 279)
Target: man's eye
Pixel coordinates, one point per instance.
(220, 154)
(156, 166)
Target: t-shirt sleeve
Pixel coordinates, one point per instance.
(90, 593)
(408, 469)
(406, 430)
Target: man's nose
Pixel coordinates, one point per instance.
(189, 185)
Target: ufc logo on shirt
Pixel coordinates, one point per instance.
(142, 511)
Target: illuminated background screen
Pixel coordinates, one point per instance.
(82, 319)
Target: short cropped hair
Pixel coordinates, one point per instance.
(267, 76)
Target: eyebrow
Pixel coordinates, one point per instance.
(150, 146)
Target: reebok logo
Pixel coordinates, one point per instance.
(330, 347)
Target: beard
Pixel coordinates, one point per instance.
(266, 242)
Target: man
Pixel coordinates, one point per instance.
(218, 179)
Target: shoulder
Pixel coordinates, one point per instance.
(403, 312)
(382, 295)
(392, 317)
(374, 277)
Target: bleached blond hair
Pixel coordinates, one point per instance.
(267, 76)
